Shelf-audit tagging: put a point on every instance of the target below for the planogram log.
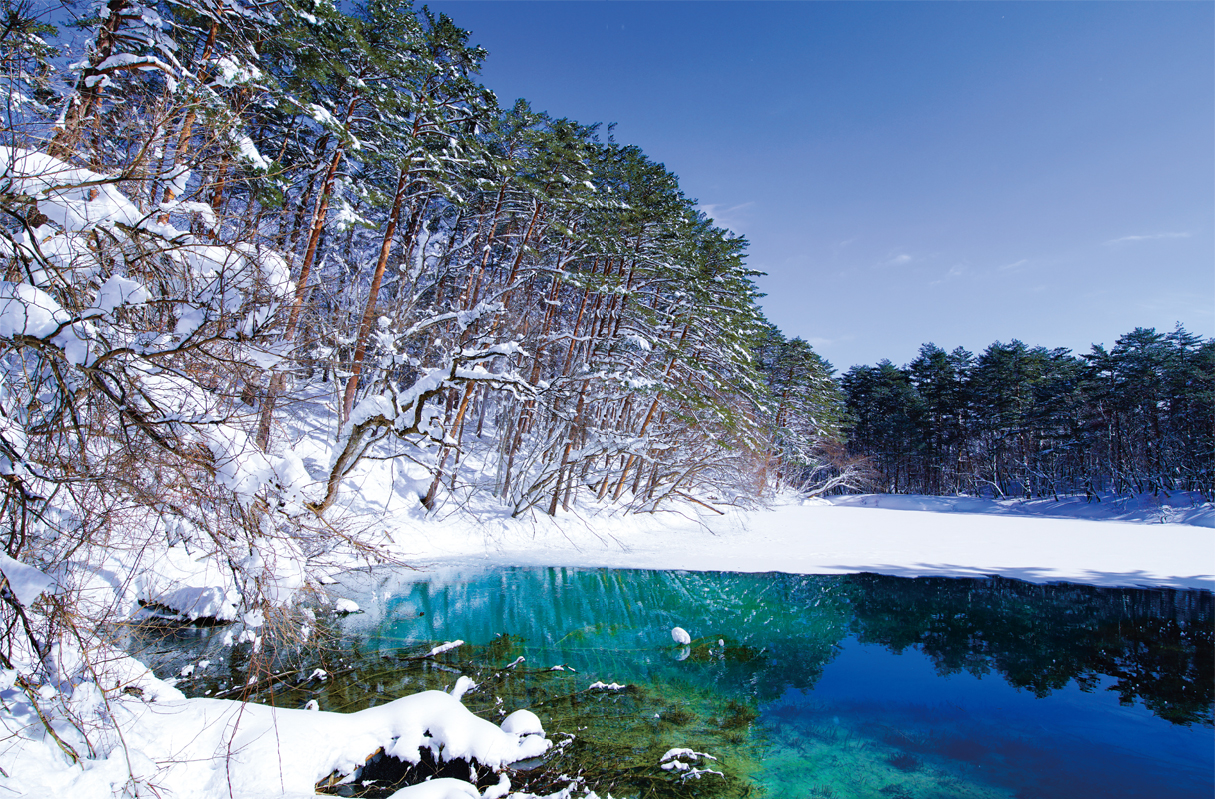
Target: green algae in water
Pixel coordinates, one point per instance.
(610, 739)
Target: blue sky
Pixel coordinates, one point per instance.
(908, 172)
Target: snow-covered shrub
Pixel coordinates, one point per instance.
(128, 474)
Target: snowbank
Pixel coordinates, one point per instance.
(942, 536)
(205, 748)
(1180, 508)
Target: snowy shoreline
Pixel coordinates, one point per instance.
(911, 536)
(179, 745)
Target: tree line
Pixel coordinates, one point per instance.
(1033, 422)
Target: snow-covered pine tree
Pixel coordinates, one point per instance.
(807, 417)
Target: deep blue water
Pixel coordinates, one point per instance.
(1070, 743)
(868, 685)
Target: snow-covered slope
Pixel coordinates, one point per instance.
(204, 748)
(1179, 508)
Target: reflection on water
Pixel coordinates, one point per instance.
(869, 685)
(858, 686)
(1156, 645)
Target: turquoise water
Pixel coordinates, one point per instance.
(846, 686)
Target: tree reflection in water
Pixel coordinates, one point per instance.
(779, 631)
(1157, 644)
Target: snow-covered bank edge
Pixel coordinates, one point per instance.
(1183, 507)
(846, 535)
(136, 735)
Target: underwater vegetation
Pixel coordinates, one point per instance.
(607, 739)
(905, 762)
(895, 792)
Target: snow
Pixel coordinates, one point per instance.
(1108, 543)
(192, 603)
(462, 686)
(1133, 508)
(118, 291)
(680, 636)
(26, 310)
(249, 152)
(26, 582)
(202, 748)
(344, 605)
(442, 788)
(278, 565)
(131, 61)
(232, 73)
(523, 722)
(447, 647)
(682, 761)
(196, 587)
(322, 115)
(72, 197)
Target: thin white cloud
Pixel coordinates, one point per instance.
(819, 341)
(1180, 305)
(1013, 265)
(957, 270)
(821, 344)
(733, 219)
(899, 260)
(1149, 237)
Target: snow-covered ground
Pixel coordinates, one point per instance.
(208, 748)
(1130, 542)
(1181, 508)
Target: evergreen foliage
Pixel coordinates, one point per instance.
(1028, 421)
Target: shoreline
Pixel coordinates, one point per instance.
(826, 537)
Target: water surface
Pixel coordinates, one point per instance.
(856, 685)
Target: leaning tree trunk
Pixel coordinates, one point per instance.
(360, 343)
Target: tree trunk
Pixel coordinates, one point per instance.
(360, 342)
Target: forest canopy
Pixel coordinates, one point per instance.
(1028, 421)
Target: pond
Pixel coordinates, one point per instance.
(802, 686)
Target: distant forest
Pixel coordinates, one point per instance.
(1032, 422)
